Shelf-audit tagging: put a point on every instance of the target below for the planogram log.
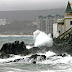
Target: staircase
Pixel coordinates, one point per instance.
(65, 34)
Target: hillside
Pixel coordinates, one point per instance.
(29, 14)
(18, 27)
(21, 21)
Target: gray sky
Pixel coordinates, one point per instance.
(31, 4)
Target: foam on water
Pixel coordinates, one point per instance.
(10, 36)
(50, 59)
(42, 39)
(57, 60)
(48, 71)
(11, 58)
(47, 54)
(28, 47)
(15, 35)
(62, 63)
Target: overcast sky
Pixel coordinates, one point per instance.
(6, 5)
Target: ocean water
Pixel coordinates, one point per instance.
(11, 39)
(54, 64)
(51, 64)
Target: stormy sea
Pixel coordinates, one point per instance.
(42, 60)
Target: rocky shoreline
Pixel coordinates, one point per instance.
(63, 45)
(60, 47)
(13, 48)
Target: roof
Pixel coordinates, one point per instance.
(42, 17)
(68, 9)
(60, 21)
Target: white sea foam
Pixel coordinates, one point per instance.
(48, 71)
(11, 58)
(15, 35)
(28, 47)
(53, 60)
(42, 39)
(10, 36)
(26, 58)
(47, 54)
(50, 59)
(10, 71)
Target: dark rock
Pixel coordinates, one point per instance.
(63, 45)
(64, 55)
(22, 45)
(16, 60)
(44, 57)
(34, 56)
(59, 55)
(34, 62)
(6, 48)
(3, 55)
(9, 62)
(13, 48)
(34, 50)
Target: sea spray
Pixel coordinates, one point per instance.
(42, 39)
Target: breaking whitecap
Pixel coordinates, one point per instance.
(42, 39)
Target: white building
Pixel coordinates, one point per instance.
(45, 24)
(63, 25)
(2, 21)
(41, 23)
(58, 28)
(49, 24)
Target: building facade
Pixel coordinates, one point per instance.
(68, 17)
(41, 23)
(2, 21)
(49, 24)
(63, 25)
(45, 24)
(58, 28)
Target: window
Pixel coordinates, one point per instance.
(70, 22)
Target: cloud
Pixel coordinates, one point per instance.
(31, 4)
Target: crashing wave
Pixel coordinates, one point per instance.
(42, 39)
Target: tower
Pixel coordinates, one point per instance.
(68, 17)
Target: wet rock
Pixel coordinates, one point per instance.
(34, 62)
(63, 45)
(3, 55)
(9, 62)
(14, 48)
(34, 50)
(34, 56)
(16, 60)
(41, 57)
(63, 55)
